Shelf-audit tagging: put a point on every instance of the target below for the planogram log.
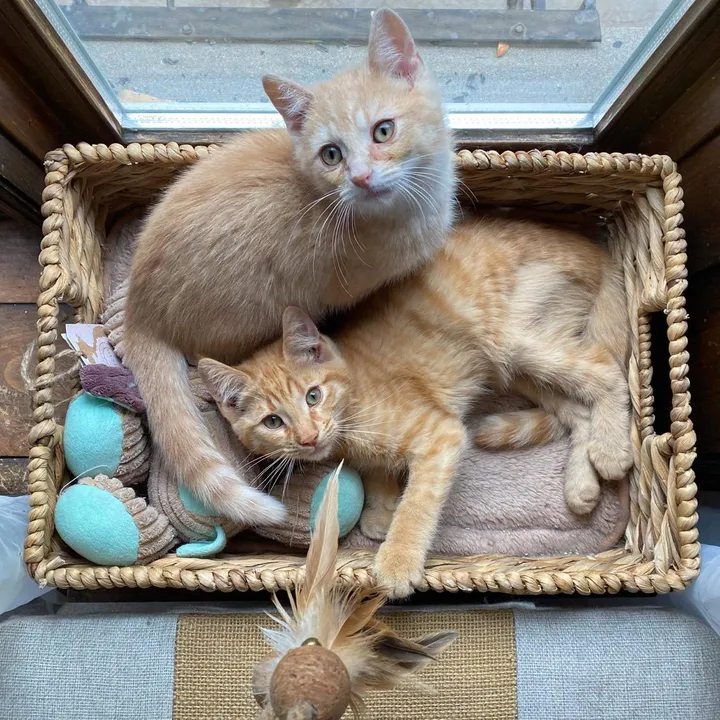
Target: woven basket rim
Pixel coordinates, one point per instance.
(523, 161)
(611, 571)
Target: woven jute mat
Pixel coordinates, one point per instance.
(474, 680)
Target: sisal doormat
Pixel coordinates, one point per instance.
(474, 679)
(120, 662)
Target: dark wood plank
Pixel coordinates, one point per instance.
(13, 476)
(571, 140)
(329, 24)
(692, 120)
(19, 248)
(21, 182)
(17, 362)
(36, 51)
(688, 51)
(701, 176)
(703, 301)
(17, 328)
(707, 472)
(26, 118)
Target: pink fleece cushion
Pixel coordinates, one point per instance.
(512, 503)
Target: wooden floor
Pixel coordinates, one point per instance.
(19, 272)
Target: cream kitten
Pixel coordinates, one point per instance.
(359, 191)
(504, 303)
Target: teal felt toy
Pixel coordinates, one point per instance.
(104, 521)
(108, 524)
(98, 519)
(351, 498)
(103, 438)
(302, 496)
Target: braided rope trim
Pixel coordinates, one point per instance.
(681, 487)
(540, 161)
(135, 153)
(68, 241)
(530, 161)
(442, 574)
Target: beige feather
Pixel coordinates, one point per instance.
(322, 553)
(343, 620)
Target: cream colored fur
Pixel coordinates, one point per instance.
(264, 223)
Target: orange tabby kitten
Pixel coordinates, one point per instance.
(503, 303)
(358, 191)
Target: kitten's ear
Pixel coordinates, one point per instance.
(225, 384)
(302, 342)
(391, 48)
(290, 99)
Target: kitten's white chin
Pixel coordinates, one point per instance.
(376, 201)
(319, 453)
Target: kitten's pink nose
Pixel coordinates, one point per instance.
(362, 179)
(309, 440)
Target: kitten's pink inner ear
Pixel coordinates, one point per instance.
(391, 47)
(302, 341)
(290, 99)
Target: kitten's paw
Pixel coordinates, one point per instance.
(582, 487)
(582, 497)
(375, 522)
(397, 572)
(610, 449)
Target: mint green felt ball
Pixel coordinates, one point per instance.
(97, 526)
(93, 437)
(351, 498)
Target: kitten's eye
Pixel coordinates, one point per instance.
(331, 155)
(383, 131)
(314, 396)
(273, 422)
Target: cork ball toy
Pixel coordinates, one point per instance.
(310, 675)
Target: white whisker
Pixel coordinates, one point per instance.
(330, 209)
(423, 192)
(405, 192)
(434, 175)
(311, 205)
(256, 460)
(337, 209)
(288, 475)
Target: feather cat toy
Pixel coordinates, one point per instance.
(330, 649)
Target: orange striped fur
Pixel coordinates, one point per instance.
(503, 303)
(518, 429)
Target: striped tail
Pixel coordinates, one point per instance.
(518, 429)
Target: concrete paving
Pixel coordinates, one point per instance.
(228, 72)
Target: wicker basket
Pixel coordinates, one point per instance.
(640, 199)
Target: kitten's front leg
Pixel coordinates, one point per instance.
(432, 462)
(381, 497)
